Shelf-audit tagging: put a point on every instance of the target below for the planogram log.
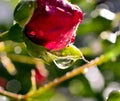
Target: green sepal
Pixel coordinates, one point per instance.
(24, 11)
(69, 51)
(37, 51)
(66, 57)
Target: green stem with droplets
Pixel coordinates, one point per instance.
(103, 58)
(80, 70)
(97, 61)
(67, 76)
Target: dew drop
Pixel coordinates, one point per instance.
(64, 62)
(32, 33)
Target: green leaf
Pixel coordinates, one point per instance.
(114, 96)
(14, 34)
(24, 11)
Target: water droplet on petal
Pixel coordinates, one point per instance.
(73, 39)
(32, 33)
(64, 62)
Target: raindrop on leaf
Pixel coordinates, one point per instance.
(64, 62)
(67, 56)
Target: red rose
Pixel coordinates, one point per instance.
(53, 24)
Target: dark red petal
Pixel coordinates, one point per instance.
(54, 24)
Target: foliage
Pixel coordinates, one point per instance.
(25, 70)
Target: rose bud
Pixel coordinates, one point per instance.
(41, 73)
(39, 77)
(53, 24)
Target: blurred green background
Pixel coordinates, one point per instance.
(98, 34)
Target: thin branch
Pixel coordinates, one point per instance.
(12, 95)
(33, 81)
